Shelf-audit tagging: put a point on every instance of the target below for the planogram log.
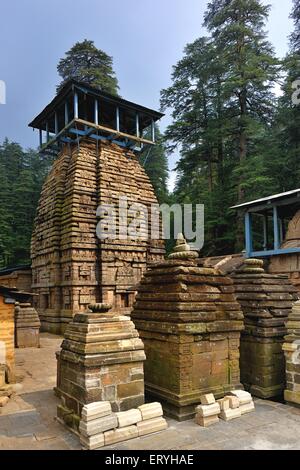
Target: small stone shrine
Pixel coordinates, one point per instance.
(27, 326)
(190, 323)
(291, 348)
(101, 359)
(266, 301)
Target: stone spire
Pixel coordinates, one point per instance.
(182, 250)
(252, 266)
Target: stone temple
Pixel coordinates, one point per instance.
(96, 139)
(190, 322)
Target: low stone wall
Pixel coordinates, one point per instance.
(27, 326)
(99, 426)
(7, 338)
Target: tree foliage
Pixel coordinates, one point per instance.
(86, 63)
(223, 109)
(154, 161)
(21, 178)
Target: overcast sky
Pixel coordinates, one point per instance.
(145, 37)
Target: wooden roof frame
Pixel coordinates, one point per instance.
(75, 128)
(273, 205)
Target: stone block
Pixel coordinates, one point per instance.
(120, 435)
(3, 401)
(207, 399)
(206, 421)
(130, 389)
(2, 375)
(98, 425)
(292, 397)
(150, 426)
(208, 410)
(92, 442)
(224, 403)
(234, 401)
(151, 410)
(247, 408)
(231, 413)
(126, 418)
(95, 410)
(243, 396)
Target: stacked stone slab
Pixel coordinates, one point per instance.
(208, 412)
(190, 323)
(236, 404)
(266, 301)
(70, 266)
(233, 405)
(101, 358)
(27, 326)
(99, 426)
(291, 348)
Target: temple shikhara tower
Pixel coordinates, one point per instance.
(96, 138)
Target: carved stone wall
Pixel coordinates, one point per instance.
(70, 266)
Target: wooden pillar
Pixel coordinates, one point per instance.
(66, 114)
(55, 124)
(248, 233)
(153, 130)
(96, 112)
(118, 118)
(276, 228)
(75, 105)
(137, 124)
(265, 222)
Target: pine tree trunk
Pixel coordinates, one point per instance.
(240, 237)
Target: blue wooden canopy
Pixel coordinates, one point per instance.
(81, 111)
(278, 207)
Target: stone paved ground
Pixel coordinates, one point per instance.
(27, 422)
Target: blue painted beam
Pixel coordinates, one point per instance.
(41, 138)
(73, 130)
(248, 233)
(280, 251)
(66, 140)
